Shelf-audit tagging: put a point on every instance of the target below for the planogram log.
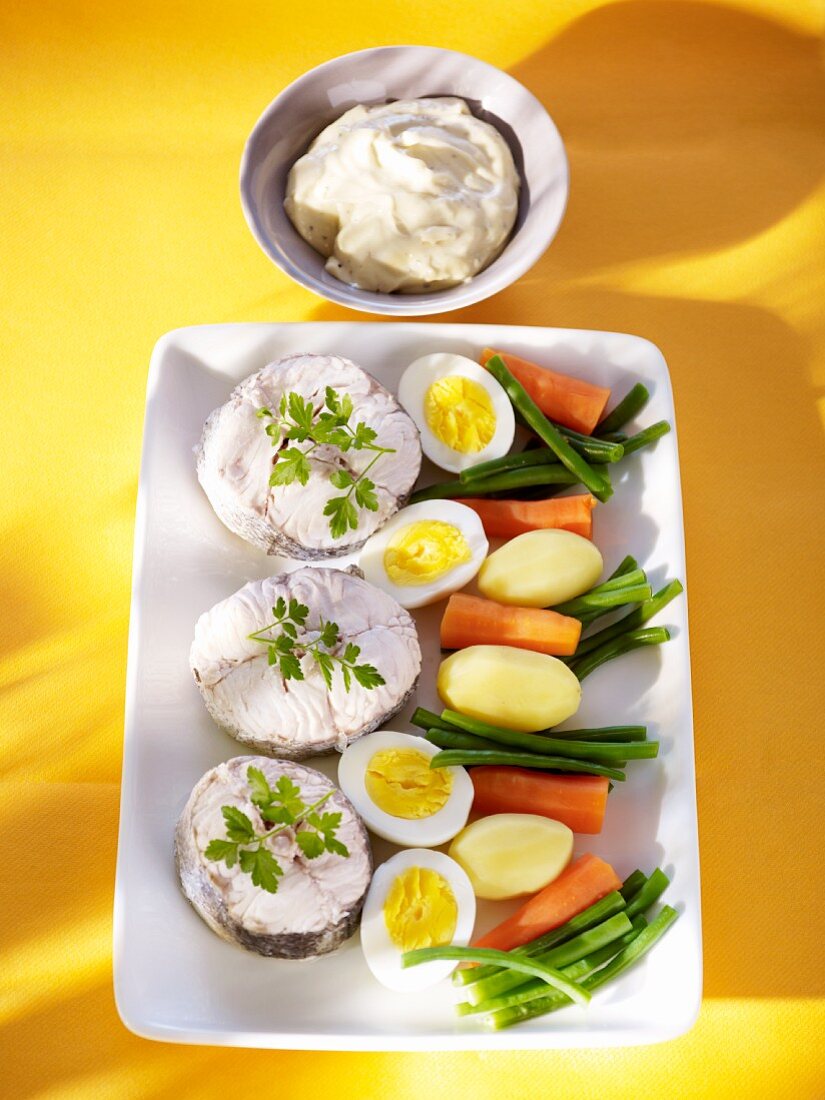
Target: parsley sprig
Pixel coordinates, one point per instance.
(281, 808)
(283, 648)
(297, 421)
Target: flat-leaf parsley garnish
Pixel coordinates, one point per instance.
(281, 808)
(297, 422)
(284, 650)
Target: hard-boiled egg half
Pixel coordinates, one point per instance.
(462, 412)
(388, 779)
(418, 898)
(425, 552)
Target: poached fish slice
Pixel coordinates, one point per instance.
(318, 902)
(235, 459)
(298, 718)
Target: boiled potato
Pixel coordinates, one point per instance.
(508, 855)
(540, 569)
(510, 687)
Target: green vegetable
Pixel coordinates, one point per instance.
(597, 451)
(455, 739)
(427, 720)
(639, 617)
(546, 431)
(606, 733)
(554, 474)
(646, 437)
(297, 422)
(503, 958)
(602, 599)
(594, 914)
(449, 758)
(630, 405)
(529, 993)
(649, 892)
(625, 643)
(625, 566)
(284, 649)
(543, 745)
(482, 995)
(636, 946)
(283, 808)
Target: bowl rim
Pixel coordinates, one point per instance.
(381, 302)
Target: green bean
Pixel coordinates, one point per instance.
(635, 619)
(628, 577)
(543, 428)
(426, 720)
(594, 914)
(606, 733)
(614, 586)
(601, 602)
(626, 565)
(593, 939)
(630, 405)
(600, 451)
(650, 892)
(646, 437)
(455, 739)
(632, 884)
(555, 474)
(450, 758)
(615, 754)
(454, 720)
(541, 456)
(576, 970)
(503, 958)
(530, 993)
(626, 643)
(542, 745)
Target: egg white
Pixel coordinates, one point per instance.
(381, 954)
(422, 832)
(412, 389)
(371, 559)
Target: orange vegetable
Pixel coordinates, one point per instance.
(581, 884)
(507, 518)
(578, 801)
(567, 400)
(471, 620)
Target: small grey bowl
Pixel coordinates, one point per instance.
(303, 109)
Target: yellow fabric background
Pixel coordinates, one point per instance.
(696, 137)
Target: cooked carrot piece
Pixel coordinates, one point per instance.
(507, 518)
(471, 620)
(584, 882)
(569, 401)
(578, 801)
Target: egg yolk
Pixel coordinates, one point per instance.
(424, 551)
(401, 783)
(420, 910)
(460, 413)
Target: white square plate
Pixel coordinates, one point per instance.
(176, 980)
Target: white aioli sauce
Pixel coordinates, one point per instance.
(414, 195)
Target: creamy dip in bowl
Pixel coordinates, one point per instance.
(429, 230)
(405, 196)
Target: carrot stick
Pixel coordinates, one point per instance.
(507, 518)
(578, 801)
(471, 620)
(569, 401)
(581, 884)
